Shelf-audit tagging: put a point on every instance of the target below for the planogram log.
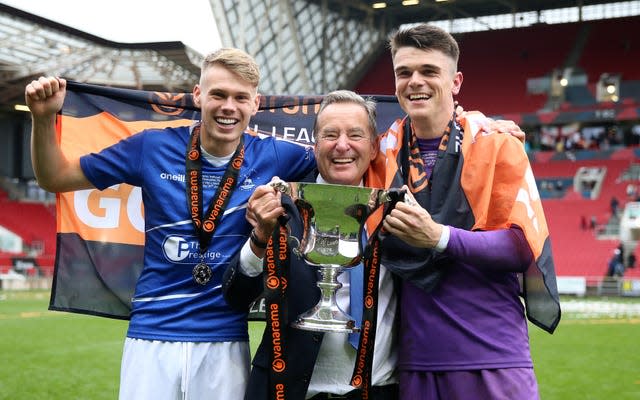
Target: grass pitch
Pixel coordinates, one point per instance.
(54, 355)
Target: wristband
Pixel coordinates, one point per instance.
(256, 242)
(444, 239)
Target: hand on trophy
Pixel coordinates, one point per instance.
(413, 224)
(263, 209)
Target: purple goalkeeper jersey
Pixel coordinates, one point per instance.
(474, 318)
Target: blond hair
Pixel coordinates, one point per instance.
(236, 61)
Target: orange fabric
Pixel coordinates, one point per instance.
(496, 177)
(80, 212)
(496, 180)
(499, 184)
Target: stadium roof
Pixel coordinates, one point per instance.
(303, 47)
(33, 46)
(396, 14)
(312, 47)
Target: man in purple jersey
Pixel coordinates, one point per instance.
(463, 332)
(184, 341)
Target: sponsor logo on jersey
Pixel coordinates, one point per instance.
(186, 250)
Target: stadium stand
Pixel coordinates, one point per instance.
(35, 223)
(512, 56)
(578, 251)
(612, 47)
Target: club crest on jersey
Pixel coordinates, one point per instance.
(247, 184)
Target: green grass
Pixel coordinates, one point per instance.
(54, 355)
(588, 360)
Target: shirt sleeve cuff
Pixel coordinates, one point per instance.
(444, 239)
(250, 264)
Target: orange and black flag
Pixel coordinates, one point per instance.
(100, 234)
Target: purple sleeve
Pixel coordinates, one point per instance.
(502, 250)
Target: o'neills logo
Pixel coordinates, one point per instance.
(278, 364)
(217, 206)
(237, 162)
(371, 279)
(272, 280)
(194, 197)
(362, 354)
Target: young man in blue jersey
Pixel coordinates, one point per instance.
(183, 341)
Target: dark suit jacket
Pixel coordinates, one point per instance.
(302, 294)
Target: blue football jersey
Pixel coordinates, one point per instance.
(168, 303)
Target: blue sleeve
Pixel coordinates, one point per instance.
(502, 250)
(294, 161)
(118, 163)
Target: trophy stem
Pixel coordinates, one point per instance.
(327, 316)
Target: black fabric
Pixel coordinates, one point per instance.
(302, 294)
(443, 198)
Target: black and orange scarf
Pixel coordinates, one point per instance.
(480, 181)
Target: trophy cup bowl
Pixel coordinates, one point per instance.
(333, 219)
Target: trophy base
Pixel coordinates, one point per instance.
(326, 320)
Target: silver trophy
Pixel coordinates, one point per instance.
(333, 219)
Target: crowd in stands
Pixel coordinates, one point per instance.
(571, 137)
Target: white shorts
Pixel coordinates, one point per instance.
(156, 370)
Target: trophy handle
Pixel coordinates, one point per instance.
(284, 187)
(386, 198)
(390, 197)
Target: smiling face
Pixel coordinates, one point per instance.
(227, 103)
(344, 144)
(426, 81)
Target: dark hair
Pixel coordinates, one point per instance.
(426, 37)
